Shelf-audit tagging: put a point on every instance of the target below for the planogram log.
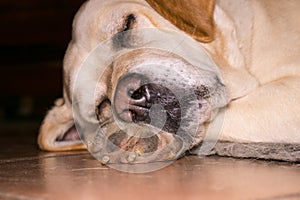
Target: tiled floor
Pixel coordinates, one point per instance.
(27, 173)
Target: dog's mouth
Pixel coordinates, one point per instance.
(122, 140)
(150, 121)
(139, 146)
(146, 147)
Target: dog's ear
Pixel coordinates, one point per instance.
(195, 17)
(58, 132)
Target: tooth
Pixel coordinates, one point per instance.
(105, 160)
(131, 157)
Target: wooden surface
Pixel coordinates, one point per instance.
(27, 173)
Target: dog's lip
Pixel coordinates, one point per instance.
(169, 146)
(164, 152)
(139, 145)
(125, 115)
(128, 115)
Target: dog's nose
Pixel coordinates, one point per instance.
(133, 99)
(138, 100)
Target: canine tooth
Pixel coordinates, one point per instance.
(131, 157)
(105, 159)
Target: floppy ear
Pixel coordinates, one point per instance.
(195, 17)
(58, 132)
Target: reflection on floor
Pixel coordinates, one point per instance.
(28, 173)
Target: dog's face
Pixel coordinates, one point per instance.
(139, 76)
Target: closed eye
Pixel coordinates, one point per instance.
(123, 37)
(129, 22)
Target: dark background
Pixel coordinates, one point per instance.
(34, 35)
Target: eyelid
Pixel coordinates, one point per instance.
(129, 22)
(123, 38)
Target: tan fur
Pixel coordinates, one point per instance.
(256, 46)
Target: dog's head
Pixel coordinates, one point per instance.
(137, 80)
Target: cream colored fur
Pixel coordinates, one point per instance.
(257, 49)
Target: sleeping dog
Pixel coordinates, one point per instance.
(250, 77)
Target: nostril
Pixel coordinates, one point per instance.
(141, 97)
(139, 102)
(137, 94)
(130, 101)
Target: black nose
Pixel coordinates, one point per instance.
(135, 96)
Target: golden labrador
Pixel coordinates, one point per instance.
(254, 47)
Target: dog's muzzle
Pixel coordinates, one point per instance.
(154, 114)
(154, 105)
